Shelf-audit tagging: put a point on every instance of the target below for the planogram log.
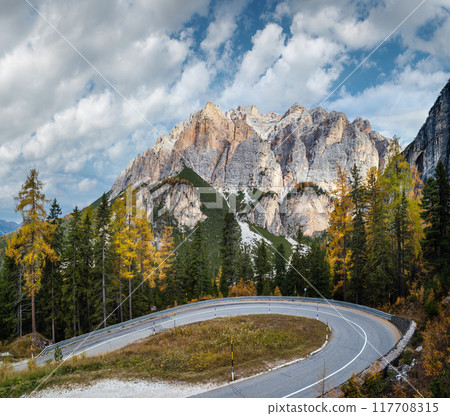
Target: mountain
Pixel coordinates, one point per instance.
(278, 170)
(432, 143)
(7, 226)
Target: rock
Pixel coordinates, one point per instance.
(432, 143)
(180, 200)
(243, 150)
(419, 348)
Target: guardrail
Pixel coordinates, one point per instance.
(61, 344)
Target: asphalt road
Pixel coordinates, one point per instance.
(357, 340)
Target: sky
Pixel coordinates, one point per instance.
(86, 85)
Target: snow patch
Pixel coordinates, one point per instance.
(250, 237)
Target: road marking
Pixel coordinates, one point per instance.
(259, 305)
(337, 371)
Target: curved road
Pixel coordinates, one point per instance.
(357, 340)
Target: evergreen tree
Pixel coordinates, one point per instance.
(178, 287)
(401, 205)
(72, 288)
(103, 252)
(229, 252)
(11, 318)
(263, 268)
(90, 289)
(318, 269)
(294, 282)
(198, 266)
(280, 267)
(245, 264)
(436, 214)
(51, 291)
(379, 261)
(31, 247)
(357, 244)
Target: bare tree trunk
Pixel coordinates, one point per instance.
(129, 299)
(103, 286)
(33, 313)
(33, 305)
(20, 302)
(120, 297)
(53, 311)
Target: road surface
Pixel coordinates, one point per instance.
(357, 340)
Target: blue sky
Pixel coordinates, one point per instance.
(167, 58)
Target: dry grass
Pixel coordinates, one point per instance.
(197, 352)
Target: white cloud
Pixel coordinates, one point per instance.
(400, 105)
(59, 116)
(87, 185)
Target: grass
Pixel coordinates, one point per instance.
(274, 239)
(197, 352)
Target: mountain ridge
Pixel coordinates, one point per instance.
(432, 142)
(240, 150)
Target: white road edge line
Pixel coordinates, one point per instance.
(273, 369)
(337, 371)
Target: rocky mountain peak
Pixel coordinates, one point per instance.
(241, 150)
(432, 143)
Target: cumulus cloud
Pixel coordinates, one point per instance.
(59, 116)
(400, 105)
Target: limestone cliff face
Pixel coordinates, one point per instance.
(240, 150)
(432, 143)
(180, 200)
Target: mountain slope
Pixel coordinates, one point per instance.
(7, 226)
(432, 143)
(265, 155)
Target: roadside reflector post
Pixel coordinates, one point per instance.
(215, 311)
(174, 319)
(154, 327)
(269, 305)
(317, 317)
(232, 360)
(327, 330)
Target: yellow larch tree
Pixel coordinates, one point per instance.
(31, 246)
(339, 230)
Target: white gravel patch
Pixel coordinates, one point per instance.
(124, 389)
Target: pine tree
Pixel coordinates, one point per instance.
(245, 264)
(103, 251)
(90, 289)
(357, 244)
(229, 252)
(280, 267)
(402, 213)
(198, 265)
(294, 282)
(339, 230)
(263, 268)
(52, 280)
(318, 269)
(10, 303)
(31, 247)
(72, 281)
(379, 267)
(436, 214)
